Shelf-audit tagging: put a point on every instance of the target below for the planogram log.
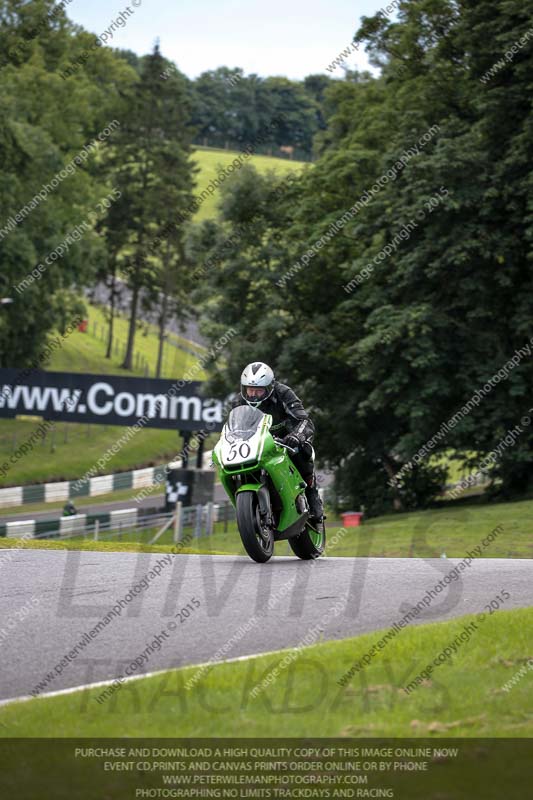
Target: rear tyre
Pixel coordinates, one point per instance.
(257, 544)
(310, 543)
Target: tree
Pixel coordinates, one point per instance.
(151, 167)
(45, 123)
(233, 109)
(242, 253)
(115, 232)
(288, 100)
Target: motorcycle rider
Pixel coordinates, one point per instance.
(291, 423)
(69, 509)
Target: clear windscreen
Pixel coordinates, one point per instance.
(243, 422)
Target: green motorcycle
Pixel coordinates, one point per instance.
(265, 487)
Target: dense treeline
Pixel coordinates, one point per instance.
(390, 282)
(391, 317)
(230, 109)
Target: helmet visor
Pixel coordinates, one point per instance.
(254, 393)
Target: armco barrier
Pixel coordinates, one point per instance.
(124, 519)
(61, 491)
(67, 526)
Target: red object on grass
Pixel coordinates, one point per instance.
(351, 519)
(83, 325)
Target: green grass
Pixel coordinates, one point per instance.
(461, 699)
(210, 160)
(452, 529)
(86, 352)
(85, 445)
(113, 545)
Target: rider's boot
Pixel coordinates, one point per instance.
(316, 509)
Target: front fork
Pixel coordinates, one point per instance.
(263, 495)
(265, 508)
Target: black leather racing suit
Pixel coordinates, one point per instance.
(289, 416)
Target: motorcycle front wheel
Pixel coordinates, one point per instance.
(258, 545)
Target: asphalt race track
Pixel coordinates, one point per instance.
(49, 599)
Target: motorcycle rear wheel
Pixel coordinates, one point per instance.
(309, 544)
(258, 545)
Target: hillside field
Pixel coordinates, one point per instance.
(75, 448)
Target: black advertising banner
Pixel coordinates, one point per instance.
(109, 400)
(316, 769)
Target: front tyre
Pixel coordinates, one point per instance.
(258, 545)
(310, 543)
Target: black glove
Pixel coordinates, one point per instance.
(292, 440)
(306, 449)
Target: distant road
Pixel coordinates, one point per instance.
(154, 501)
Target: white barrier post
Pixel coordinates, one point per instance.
(178, 522)
(210, 519)
(198, 521)
(96, 529)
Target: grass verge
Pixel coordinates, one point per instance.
(101, 546)
(453, 530)
(464, 697)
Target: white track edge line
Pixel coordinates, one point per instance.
(82, 687)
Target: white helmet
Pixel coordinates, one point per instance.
(255, 377)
